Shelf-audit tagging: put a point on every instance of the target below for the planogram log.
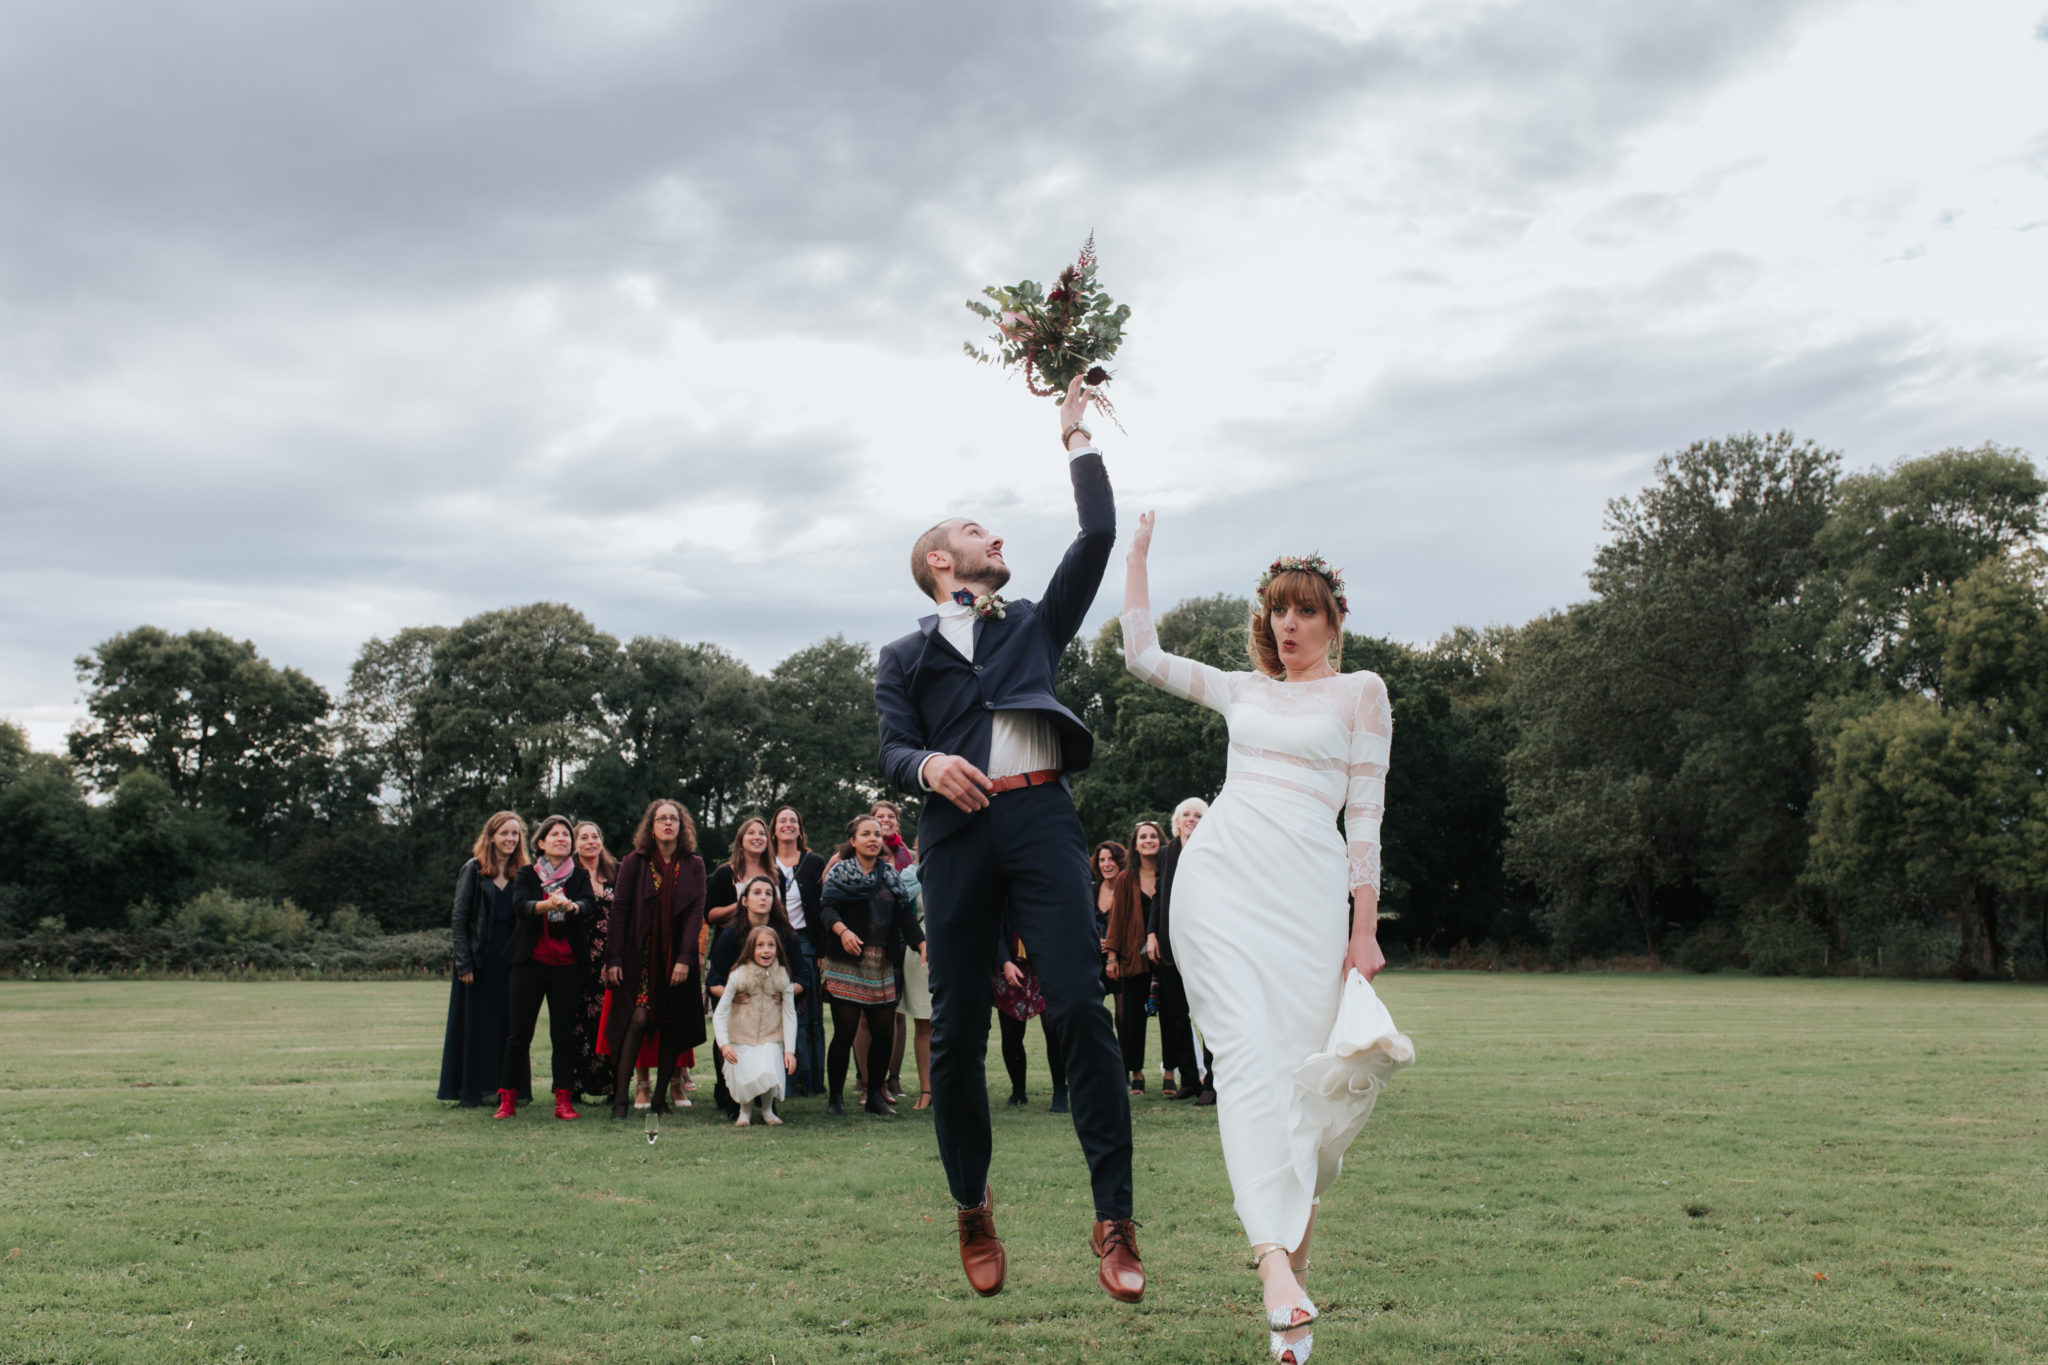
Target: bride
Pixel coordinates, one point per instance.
(1267, 963)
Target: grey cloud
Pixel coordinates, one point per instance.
(745, 153)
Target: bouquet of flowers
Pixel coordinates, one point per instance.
(1074, 329)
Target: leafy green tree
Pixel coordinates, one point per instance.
(1915, 819)
(1898, 539)
(383, 740)
(680, 720)
(224, 729)
(1657, 766)
(1928, 615)
(511, 708)
(1931, 805)
(818, 751)
(1443, 877)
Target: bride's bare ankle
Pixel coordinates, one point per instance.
(1276, 1276)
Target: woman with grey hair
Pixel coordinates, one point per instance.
(1176, 1031)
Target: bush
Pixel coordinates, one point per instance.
(1710, 948)
(1918, 949)
(218, 915)
(165, 950)
(349, 922)
(1783, 944)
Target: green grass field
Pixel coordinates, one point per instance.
(1580, 1168)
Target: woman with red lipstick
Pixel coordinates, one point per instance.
(1274, 915)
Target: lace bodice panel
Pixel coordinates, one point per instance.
(1330, 739)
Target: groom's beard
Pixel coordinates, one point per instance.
(986, 576)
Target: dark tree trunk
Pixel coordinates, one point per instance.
(1986, 898)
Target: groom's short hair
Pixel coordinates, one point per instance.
(940, 537)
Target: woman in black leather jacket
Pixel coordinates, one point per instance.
(480, 1001)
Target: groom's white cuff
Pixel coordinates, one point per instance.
(1089, 449)
(921, 780)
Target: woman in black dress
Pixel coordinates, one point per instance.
(801, 875)
(479, 1001)
(593, 1070)
(1176, 1030)
(749, 859)
(552, 904)
(650, 950)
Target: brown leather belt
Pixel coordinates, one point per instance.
(1019, 781)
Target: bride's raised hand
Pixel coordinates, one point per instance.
(1141, 543)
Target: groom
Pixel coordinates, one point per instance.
(969, 716)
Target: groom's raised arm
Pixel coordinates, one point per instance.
(1074, 583)
(903, 751)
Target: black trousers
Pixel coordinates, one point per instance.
(562, 988)
(1176, 1030)
(1132, 991)
(1014, 1059)
(846, 1017)
(1026, 852)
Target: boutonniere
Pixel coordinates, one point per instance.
(988, 607)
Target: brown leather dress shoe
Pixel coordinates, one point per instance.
(981, 1251)
(1122, 1274)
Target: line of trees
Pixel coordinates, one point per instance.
(1802, 723)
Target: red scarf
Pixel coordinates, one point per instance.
(665, 875)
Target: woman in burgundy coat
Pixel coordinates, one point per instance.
(650, 951)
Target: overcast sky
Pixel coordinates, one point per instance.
(318, 320)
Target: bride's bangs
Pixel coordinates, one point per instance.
(1299, 588)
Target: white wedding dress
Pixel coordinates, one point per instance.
(1261, 919)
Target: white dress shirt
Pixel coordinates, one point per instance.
(1023, 741)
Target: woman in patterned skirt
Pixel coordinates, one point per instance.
(868, 921)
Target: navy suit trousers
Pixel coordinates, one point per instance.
(1026, 853)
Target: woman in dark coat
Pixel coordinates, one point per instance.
(1176, 1031)
(651, 950)
(479, 1000)
(552, 901)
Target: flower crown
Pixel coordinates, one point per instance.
(1310, 563)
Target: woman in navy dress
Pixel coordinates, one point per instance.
(480, 1000)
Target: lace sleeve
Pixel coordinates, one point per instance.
(1372, 737)
(1197, 682)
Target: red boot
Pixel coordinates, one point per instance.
(508, 1104)
(562, 1109)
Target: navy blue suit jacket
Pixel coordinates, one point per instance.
(933, 701)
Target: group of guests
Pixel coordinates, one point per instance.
(1134, 908)
(631, 954)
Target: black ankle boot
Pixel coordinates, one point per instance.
(1018, 1100)
(1059, 1100)
(837, 1107)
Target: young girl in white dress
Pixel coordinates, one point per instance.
(755, 1026)
(1276, 968)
